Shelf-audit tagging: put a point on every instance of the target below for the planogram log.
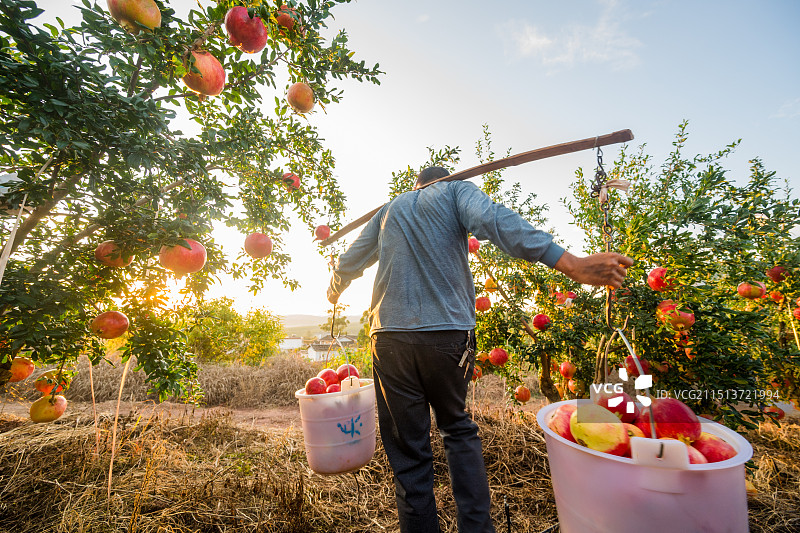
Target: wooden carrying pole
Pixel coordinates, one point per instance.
(525, 157)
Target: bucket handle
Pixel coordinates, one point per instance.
(647, 396)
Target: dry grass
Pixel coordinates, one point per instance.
(185, 475)
(777, 478)
(233, 386)
(209, 475)
(178, 474)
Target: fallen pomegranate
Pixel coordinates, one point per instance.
(48, 408)
(774, 412)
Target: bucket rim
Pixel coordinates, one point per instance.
(300, 394)
(743, 447)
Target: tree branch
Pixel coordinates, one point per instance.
(74, 239)
(174, 96)
(208, 32)
(261, 68)
(41, 211)
(135, 76)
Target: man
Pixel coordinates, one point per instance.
(422, 319)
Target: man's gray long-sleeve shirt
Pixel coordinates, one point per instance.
(419, 239)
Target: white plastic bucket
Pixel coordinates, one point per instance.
(338, 428)
(601, 493)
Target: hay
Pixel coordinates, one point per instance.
(181, 474)
(178, 473)
(776, 507)
(233, 386)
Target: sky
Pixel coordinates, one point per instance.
(539, 73)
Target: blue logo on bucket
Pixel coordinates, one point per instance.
(352, 431)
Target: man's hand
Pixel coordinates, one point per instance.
(332, 296)
(597, 269)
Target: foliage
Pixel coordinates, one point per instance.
(340, 323)
(361, 358)
(108, 144)
(218, 334)
(710, 233)
(404, 180)
(363, 334)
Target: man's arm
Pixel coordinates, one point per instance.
(361, 255)
(517, 237)
(597, 269)
(507, 229)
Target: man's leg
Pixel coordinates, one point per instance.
(446, 386)
(404, 420)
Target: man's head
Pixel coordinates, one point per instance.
(430, 175)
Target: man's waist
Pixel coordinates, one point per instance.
(423, 337)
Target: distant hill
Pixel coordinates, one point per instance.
(309, 325)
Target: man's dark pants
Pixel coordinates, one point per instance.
(415, 372)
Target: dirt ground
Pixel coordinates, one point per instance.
(264, 417)
(487, 396)
(191, 460)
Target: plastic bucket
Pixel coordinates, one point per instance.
(597, 492)
(338, 428)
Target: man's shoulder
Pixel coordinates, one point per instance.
(456, 184)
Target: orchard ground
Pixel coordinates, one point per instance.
(238, 464)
